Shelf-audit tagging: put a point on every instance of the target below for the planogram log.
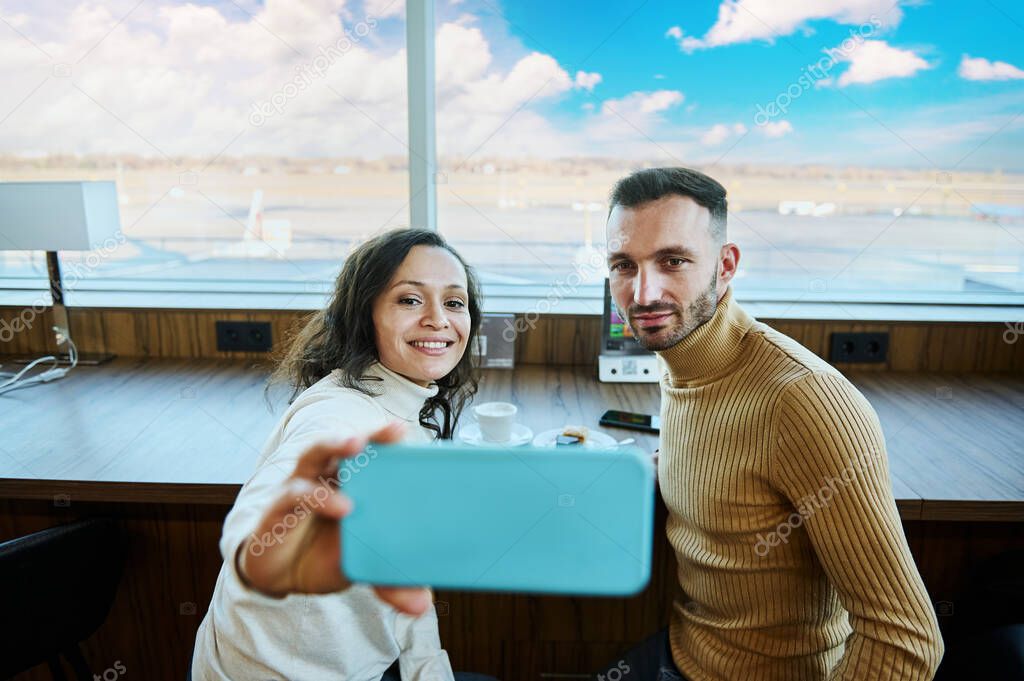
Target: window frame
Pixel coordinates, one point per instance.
(524, 299)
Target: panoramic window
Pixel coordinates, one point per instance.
(251, 143)
(871, 150)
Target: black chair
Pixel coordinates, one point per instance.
(987, 642)
(57, 586)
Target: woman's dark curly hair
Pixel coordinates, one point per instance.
(342, 336)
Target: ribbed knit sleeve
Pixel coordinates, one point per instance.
(829, 460)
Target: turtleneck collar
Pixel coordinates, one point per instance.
(711, 348)
(399, 396)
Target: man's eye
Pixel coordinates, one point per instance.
(619, 266)
(676, 262)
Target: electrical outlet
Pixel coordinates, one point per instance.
(859, 347)
(243, 336)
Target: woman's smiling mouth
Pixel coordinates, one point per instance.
(432, 346)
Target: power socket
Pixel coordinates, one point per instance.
(243, 336)
(866, 347)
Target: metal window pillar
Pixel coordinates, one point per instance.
(419, 28)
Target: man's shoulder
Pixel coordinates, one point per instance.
(801, 379)
(789, 361)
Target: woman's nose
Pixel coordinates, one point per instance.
(437, 318)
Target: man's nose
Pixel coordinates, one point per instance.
(647, 288)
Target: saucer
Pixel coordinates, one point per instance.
(595, 440)
(520, 436)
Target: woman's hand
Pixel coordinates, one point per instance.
(306, 558)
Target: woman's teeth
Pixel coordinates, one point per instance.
(430, 344)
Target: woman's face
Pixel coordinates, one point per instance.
(421, 318)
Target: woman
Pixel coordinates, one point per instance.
(385, 361)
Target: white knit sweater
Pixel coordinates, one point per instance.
(347, 636)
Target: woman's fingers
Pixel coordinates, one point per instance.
(292, 549)
(301, 496)
(320, 458)
(392, 432)
(296, 547)
(411, 601)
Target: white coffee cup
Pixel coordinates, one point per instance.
(496, 420)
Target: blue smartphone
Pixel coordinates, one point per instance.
(505, 519)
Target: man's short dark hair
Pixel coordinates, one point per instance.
(651, 184)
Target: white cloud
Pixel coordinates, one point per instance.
(587, 81)
(875, 60)
(715, 135)
(643, 103)
(979, 68)
(720, 132)
(184, 78)
(775, 129)
(382, 9)
(462, 54)
(742, 21)
(636, 126)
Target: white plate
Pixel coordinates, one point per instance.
(471, 436)
(595, 439)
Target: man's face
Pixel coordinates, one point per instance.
(663, 268)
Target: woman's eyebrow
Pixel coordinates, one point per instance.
(410, 282)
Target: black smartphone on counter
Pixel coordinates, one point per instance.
(646, 423)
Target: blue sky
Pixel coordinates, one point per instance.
(940, 115)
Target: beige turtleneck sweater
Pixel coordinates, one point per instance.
(791, 555)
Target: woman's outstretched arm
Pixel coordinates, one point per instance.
(306, 557)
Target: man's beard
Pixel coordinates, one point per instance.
(699, 311)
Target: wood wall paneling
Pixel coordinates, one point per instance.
(557, 340)
(173, 562)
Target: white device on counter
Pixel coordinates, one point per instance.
(622, 359)
(628, 369)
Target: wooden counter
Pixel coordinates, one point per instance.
(164, 445)
(189, 431)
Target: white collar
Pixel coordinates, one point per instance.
(398, 395)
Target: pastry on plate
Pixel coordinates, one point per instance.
(577, 432)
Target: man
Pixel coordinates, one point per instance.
(791, 556)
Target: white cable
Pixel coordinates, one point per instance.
(16, 381)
